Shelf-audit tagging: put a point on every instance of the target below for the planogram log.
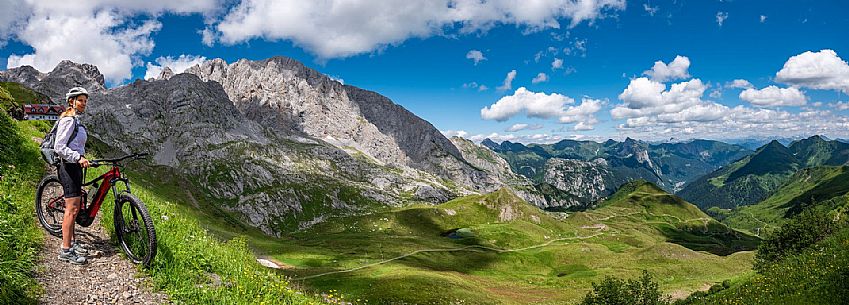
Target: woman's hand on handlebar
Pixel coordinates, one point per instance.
(84, 162)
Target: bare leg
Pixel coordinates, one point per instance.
(72, 207)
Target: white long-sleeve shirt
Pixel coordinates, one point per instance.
(70, 152)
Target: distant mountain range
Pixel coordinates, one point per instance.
(576, 174)
(757, 176)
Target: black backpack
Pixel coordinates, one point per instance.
(47, 152)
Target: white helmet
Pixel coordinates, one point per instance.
(76, 91)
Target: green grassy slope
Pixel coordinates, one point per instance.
(20, 238)
(817, 184)
(819, 275)
(495, 248)
(746, 181)
(756, 177)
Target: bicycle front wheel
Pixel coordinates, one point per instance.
(50, 205)
(134, 229)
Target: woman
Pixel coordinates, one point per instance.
(70, 147)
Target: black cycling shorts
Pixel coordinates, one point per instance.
(71, 178)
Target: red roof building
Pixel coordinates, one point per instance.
(43, 112)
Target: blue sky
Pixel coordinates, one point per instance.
(426, 69)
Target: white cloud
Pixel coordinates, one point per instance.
(816, 70)
(482, 88)
(103, 33)
(543, 138)
(556, 64)
(539, 105)
(715, 93)
(644, 97)
(677, 69)
(523, 126)
(651, 10)
(541, 77)
(720, 17)
(476, 56)
(341, 28)
(14, 13)
(841, 105)
(454, 133)
(177, 65)
(508, 81)
(544, 106)
(774, 96)
(763, 18)
(739, 84)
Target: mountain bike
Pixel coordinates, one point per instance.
(133, 225)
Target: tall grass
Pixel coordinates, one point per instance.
(20, 238)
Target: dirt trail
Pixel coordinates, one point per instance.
(107, 278)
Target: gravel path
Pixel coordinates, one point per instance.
(107, 278)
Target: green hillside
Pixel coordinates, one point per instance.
(495, 248)
(823, 185)
(815, 274)
(758, 176)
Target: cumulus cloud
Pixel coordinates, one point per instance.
(12, 15)
(540, 78)
(739, 84)
(543, 106)
(177, 65)
(763, 18)
(841, 105)
(644, 97)
(476, 56)
(772, 96)
(557, 63)
(720, 17)
(102, 33)
(340, 28)
(508, 81)
(816, 70)
(523, 126)
(677, 69)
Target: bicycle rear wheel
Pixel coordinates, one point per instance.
(134, 229)
(50, 205)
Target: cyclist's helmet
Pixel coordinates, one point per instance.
(76, 91)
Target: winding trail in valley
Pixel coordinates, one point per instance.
(629, 213)
(466, 248)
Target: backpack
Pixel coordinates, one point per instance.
(47, 152)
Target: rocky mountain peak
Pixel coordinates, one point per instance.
(22, 74)
(166, 73)
(284, 94)
(54, 84)
(488, 143)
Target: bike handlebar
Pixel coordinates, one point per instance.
(99, 162)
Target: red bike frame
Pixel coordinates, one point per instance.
(109, 179)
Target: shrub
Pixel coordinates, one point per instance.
(799, 233)
(613, 291)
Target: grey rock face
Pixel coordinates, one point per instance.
(490, 162)
(583, 179)
(284, 94)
